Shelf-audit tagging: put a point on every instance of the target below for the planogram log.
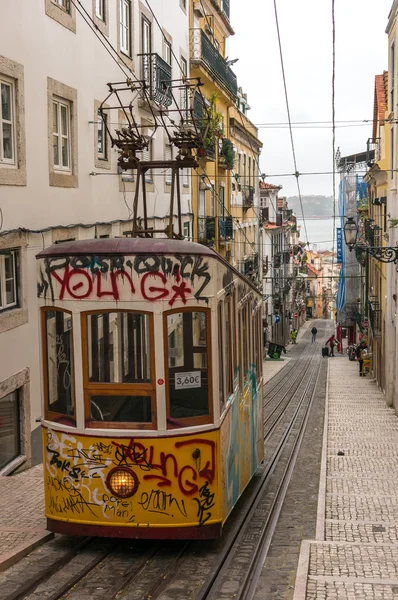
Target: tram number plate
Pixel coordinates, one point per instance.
(191, 379)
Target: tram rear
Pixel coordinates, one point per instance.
(152, 387)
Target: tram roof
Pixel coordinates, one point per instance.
(125, 246)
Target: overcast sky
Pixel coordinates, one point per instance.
(305, 27)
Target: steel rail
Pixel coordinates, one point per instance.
(210, 587)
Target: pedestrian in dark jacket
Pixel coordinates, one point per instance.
(360, 357)
(314, 331)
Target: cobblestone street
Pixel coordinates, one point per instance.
(355, 553)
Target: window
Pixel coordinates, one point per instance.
(188, 367)
(64, 4)
(8, 280)
(7, 122)
(118, 373)
(187, 230)
(221, 384)
(184, 66)
(146, 157)
(146, 40)
(58, 366)
(392, 158)
(61, 135)
(185, 177)
(100, 9)
(125, 26)
(167, 51)
(392, 76)
(168, 155)
(10, 445)
(102, 144)
(228, 342)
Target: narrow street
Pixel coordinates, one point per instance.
(317, 521)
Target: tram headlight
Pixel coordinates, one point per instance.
(122, 482)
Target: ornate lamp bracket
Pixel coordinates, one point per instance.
(387, 254)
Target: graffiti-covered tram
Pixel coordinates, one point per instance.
(152, 387)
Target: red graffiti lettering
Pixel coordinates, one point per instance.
(158, 292)
(209, 470)
(163, 481)
(113, 292)
(66, 283)
(180, 291)
(187, 487)
(123, 275)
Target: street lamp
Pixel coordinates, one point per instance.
(350, 233)
(384, 254)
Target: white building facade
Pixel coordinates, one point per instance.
(59, 177)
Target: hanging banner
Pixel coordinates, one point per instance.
(339, 245)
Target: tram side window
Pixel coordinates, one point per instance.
(188, 344)
(221, 393)
(58, 348)
(118, 377)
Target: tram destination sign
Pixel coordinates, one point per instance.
(190, 379)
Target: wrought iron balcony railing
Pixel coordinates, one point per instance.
(248, 196)
(204, 52)
(225, 7)
(156, 73)
(249, 266)
(207, 229)
(375, 315)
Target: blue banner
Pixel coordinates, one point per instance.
(339, 245)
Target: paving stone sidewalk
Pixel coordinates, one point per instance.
(355, 554)
(22, 521)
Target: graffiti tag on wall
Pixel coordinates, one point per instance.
(150, 278)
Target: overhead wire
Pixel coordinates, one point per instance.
(334, 125)
(105, 41)
(297, 174)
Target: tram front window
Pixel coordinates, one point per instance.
(188, 370)
(118, 375)
(58, 366)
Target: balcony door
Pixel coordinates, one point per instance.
(146, 49)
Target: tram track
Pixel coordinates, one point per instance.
(137, 570)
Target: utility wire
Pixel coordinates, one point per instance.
(289, 119)
(334, 124)
(105, 42)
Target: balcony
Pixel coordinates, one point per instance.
(157, 75)
(249, 266)
(226, 154)
(225, 229)
(207, 230)
(375, 315)
(373, 234)
(204, 53)
(248, 196)
(373, 151)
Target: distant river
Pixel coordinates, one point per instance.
(320, 232)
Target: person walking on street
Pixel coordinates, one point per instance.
(332, 343)
(294, 335)
(360, 357)
(314, 331)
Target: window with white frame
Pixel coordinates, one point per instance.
(125, 26)
(147, 156)
(100, 9)
(7, 121)
(102, 147)
(64, 4)
(8, 280)
(167, 52)
(168, 155)
(61, 135)
(185, 177)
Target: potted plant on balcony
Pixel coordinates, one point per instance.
(214, 127)
(227, 153)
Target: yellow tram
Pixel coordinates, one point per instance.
(152, 387)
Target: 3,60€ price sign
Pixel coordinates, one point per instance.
(191, 379)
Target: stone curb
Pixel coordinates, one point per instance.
(9, 559)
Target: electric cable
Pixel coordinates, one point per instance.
(334, 124)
